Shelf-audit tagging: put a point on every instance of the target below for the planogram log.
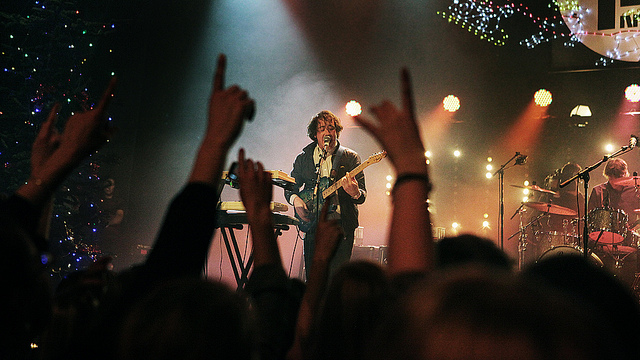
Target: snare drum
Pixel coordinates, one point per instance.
(569, 251)
(607, 226)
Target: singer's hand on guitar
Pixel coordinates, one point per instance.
(351, 186)
(301, 208)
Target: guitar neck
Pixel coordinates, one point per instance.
(338, 184)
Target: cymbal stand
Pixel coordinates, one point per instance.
(522, 239)
(500, 173)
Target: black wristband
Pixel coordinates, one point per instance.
(402, 178)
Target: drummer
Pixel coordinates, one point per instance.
(568, 197)
(619, 192)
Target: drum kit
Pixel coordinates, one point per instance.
(613, 243)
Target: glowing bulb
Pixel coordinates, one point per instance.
(543, 97)
(455, 225)
(451, 103)
(489, 167)
(609, 148)
(353, 108)
(457, 153)
(427, 153)
(632, 93)
(488, 175)
(485, 224)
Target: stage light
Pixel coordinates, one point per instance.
(489, 159)
(489, 167)
(525, 199)
(632, 93)
(427, 154)
(451, 103)
(488, 175)
(543, 97)
(609, 148)
(455, 226)
(485, 225)
(581, 110)
(353, 108)
(457, 153)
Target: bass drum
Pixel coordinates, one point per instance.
(569, 251)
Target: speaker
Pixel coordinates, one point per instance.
(377, 254)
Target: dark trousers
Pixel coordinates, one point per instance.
(343, 253)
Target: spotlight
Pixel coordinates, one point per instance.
(451, 103)
(609, 148)
(632, 93)
(543, 98)
(353, 108)
(457, 153)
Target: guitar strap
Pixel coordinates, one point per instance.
(335, 162)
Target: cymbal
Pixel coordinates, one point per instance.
(550, 208)
(626, 181)
(536, 188)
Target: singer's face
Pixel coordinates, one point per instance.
(326, 128)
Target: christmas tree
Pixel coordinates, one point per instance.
(51, 52)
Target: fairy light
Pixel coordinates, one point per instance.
(480, 18)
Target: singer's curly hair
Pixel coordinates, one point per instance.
(326, 116)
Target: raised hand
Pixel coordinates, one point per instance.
(256, 192)
(227, 108)
(410, 237)
(328, 235)
(86, 131)
(397, 130)
(256, 189)
(46, 142)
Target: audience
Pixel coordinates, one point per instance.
(459, 298)
(24, 219)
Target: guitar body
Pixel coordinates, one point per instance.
(325, 189)
(313, 204)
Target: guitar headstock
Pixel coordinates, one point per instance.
(376, 157)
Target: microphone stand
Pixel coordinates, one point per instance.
(584, 176)
(316, 190)
(500, 173)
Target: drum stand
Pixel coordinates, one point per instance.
(522, 239)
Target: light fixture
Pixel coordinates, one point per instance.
(581, 110)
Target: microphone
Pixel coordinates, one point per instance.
(633, 141)
(327, 140)
(521, 159)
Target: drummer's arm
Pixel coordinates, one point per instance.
(595, 200)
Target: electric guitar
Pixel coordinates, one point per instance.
(325, 189)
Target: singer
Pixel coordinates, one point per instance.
(321, 163)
